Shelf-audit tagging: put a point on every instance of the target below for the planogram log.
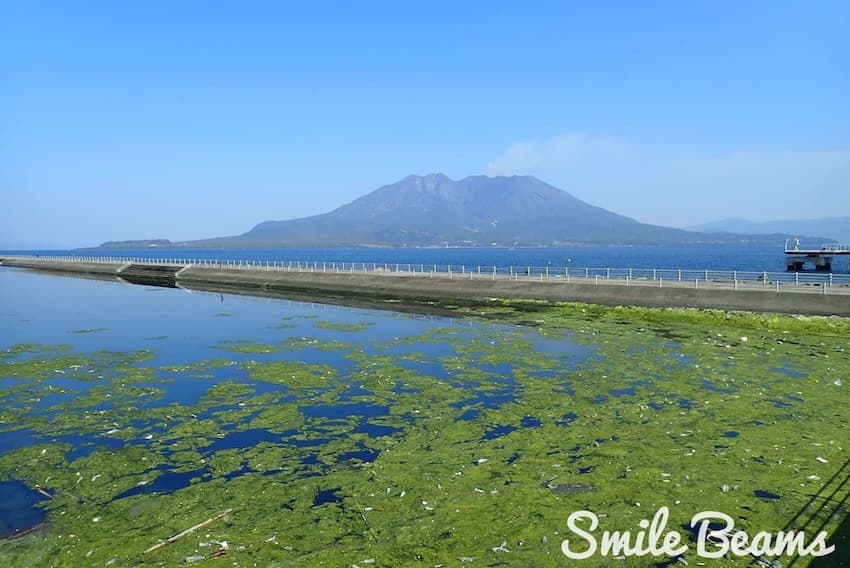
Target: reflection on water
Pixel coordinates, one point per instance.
(18, 511)
(179, 328)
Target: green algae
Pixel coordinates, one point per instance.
(245, 346)
(558, 313)
(199, 369)
(299, 343)
(21, 348)
(293, 374)
(291, 344)
(672, 386)
(283, 326)
(347, 327)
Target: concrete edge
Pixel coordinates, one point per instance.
(422, 290)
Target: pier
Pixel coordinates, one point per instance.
(428, 285)
(821, 259)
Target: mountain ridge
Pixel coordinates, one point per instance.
(835, 228)
(435, 210)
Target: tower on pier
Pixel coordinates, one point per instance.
(800, 259)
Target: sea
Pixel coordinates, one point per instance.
(691, 257)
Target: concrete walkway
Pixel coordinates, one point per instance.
(473, 288)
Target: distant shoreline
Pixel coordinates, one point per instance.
(565, 246)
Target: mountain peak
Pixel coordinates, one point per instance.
(439, 177)
(436, 176)
(435, 209)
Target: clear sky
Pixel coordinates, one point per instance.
(183, 119)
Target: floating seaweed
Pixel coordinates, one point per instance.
(396, 445)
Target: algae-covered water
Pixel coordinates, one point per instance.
(311, 435)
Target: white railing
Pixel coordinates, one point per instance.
(833, 247)
(828, 247)
(734, 279)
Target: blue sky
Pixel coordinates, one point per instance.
(182, 119)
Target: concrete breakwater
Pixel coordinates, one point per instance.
(463, 288)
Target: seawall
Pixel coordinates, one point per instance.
(472, 288)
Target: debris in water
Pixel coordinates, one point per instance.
(569, 488)
(190, 530)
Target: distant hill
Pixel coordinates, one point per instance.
(137, 244)
(835, 228)
(434, 210)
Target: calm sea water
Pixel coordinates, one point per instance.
(179, 327)
(724, 257)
